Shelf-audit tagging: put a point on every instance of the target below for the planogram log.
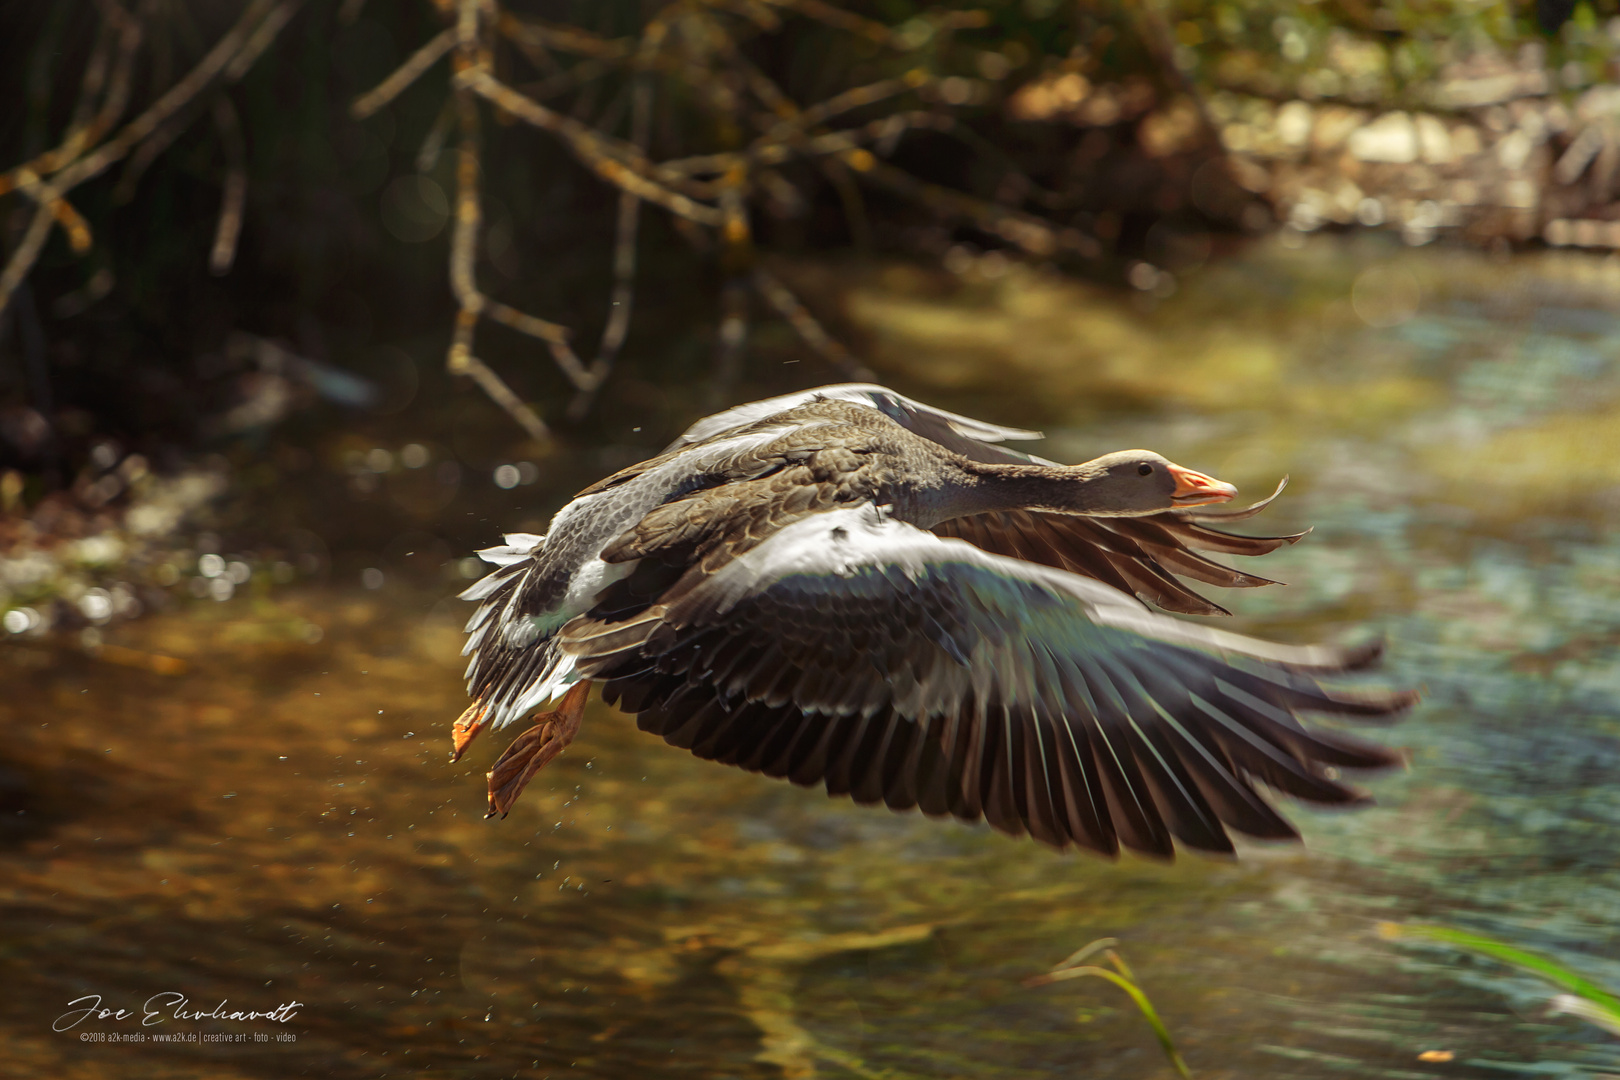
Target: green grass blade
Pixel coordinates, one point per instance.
(1149, 1013)
(1071, 969)
(1086, 952)
(1550, 970)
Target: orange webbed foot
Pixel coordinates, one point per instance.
(532, 750)
(466, 729)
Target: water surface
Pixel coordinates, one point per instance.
(278, 823)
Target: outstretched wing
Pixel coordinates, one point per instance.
(1139, 556)
(900, 667)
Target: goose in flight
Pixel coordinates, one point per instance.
(847, 588)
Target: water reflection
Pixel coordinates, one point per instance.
(279, 823)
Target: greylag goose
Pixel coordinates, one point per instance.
(848, 588)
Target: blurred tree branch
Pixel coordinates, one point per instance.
(80, 156)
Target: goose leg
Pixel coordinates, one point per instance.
(530, 751)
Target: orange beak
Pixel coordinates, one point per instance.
(1196, 489)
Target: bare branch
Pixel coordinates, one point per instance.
(1034, 235)
(404, 75)
(855, 98)
(468, 217)
(461, 360)
(232, 55)
(549, 332)
(261, 39)
(614, 160)
(838, 17)
(470, 53)
(95, 79)
(780, 297)
(177, 97)
(72, 223)
(492, 384)
(83, 134)
(148, 152)
(23, 256)
(755, 11)
(563, 81)
(773, 151)
(427, 156)
(564, 38)
(624, 258)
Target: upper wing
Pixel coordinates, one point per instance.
(1138, 556)
(961, 434)
(896, 666)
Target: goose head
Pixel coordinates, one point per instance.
(1133, 482)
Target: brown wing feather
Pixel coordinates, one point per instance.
(1137, 745)
(1140, 556)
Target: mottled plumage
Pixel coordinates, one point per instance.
(849, 589)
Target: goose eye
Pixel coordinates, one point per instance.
(1144, 470)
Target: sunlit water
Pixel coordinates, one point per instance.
(279, 824)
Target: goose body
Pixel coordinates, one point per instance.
(848, 588)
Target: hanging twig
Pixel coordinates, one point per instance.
(234, 195)
(830, 349)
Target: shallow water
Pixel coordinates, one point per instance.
(278, 823)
